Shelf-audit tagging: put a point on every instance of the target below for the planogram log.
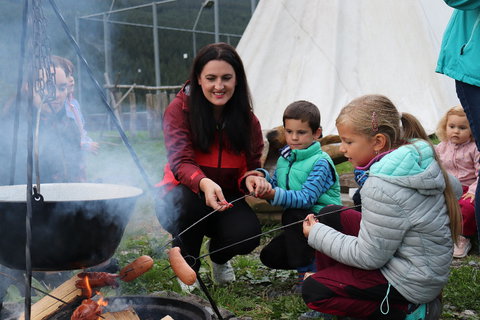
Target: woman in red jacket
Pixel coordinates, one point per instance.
(212, 139)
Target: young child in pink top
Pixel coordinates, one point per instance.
(459, 156)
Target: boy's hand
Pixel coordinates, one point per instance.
(308, 223)
(258, 185)
(468, 196)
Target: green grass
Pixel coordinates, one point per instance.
(259, 293)
(262, 293)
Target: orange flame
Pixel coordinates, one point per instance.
(102, 302)
(89, 289)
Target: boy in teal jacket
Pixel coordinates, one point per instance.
(304, 182)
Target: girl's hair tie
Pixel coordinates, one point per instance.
(374, 122)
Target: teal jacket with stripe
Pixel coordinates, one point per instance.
(292, 173)
(460, 52)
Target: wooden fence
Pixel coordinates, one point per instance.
(124, 100)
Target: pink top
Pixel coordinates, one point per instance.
(461, 160)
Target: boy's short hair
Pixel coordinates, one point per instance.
(304, 111)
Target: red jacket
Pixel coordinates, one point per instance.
(187, 165)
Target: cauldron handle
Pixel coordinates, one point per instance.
(37, 197)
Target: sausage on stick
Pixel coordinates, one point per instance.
(180, 267)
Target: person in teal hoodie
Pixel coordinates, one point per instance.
(304, 182)
(460, 59)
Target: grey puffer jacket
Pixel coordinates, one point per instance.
(404, 230)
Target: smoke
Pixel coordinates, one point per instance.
(61, 159)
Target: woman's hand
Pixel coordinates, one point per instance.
(468, 196)
(214, 197)
(308, 223)
(259, 185)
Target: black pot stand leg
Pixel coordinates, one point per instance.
(209, 297)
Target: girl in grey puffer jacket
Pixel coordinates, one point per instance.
(392, 260)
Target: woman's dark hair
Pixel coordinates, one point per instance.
(237, 112)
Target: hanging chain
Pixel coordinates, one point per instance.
(44, 72)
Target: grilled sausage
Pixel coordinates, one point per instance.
(180, 267)
(136, 268)
(95, 280)
(88, 310)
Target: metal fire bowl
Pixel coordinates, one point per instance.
(150, 308)
(77, 225)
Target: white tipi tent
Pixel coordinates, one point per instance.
(331, 51)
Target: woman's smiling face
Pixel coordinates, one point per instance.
(218, 81)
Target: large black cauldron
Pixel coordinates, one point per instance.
(74, 225)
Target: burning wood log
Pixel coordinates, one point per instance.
(47, 306)
(128, 314)
(78, 287)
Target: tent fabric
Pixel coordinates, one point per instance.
(331, 51)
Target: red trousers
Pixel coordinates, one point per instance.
(468, 214)
(343, 290)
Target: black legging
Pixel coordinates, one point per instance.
(290, 249)
(179, 208)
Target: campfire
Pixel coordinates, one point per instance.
(83, 288)
(80, 298)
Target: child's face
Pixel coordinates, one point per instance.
(458, 130)
(299, 135)
(358, 148)
(61, 84)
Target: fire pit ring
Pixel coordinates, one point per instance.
(150, 308)
(154, 308)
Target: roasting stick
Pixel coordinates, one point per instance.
(185, 272)
(275, 229)
(39, 290)
(203, 218)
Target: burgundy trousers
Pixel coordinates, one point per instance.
(343, 290)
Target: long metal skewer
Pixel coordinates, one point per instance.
(201, 219)
(272, 230)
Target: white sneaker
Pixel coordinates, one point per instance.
(186, 288)
(223, 273)
(462, 247)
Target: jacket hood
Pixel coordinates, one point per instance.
(411, 166)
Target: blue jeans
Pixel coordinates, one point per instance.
(469, 96)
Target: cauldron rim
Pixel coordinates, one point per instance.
(70, 192)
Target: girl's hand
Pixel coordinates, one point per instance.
(308, 223)
(214, 197)
(468, 196)
(259, 185)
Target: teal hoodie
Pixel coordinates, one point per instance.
(460, 52)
